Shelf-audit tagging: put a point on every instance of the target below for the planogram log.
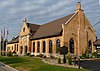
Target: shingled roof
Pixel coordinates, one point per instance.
(14, 40)
(97, 42)
(33, 27)
(53, 28)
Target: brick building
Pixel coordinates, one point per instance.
(73, 31)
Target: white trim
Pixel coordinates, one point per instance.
(71, 18)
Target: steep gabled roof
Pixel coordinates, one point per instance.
(32, 27)
(53, 28)
(14, 40)
(97, 42)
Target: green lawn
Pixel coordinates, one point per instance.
(33, 64)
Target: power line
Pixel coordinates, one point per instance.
(97, 23)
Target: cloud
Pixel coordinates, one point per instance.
(12, 12)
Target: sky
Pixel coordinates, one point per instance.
(13, 12)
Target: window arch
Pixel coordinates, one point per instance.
(50, 46)
(38, 49)
(44, 46)
(71, 46)
(57, 45)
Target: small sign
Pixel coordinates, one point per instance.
(63, 50)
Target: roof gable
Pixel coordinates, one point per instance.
(24, 30)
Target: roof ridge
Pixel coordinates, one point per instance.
(58, 19)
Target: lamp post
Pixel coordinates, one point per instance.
(78, 62)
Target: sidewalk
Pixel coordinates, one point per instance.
(4, 67)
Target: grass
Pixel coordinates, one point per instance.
(33, 64)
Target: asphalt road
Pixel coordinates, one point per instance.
(4, 67)
(93, 65)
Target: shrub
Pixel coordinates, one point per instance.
(40, 55)
(85, 54)
(94, 54)
(27, 54)
(44, 56)
(59, 60)
(15, 55)
(9, 53)
(52, 57)
(82, 56)
(14, 52)
(69, 59)
(31, 55)
(98, 55)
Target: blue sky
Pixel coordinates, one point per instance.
(12, 12)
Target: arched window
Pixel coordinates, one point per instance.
(33, 46)
(57, 45)
(71, 46)
(50, 46)
(38, 49)
(44, 46)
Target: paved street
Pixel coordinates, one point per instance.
(93, 65)
(4, 67)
